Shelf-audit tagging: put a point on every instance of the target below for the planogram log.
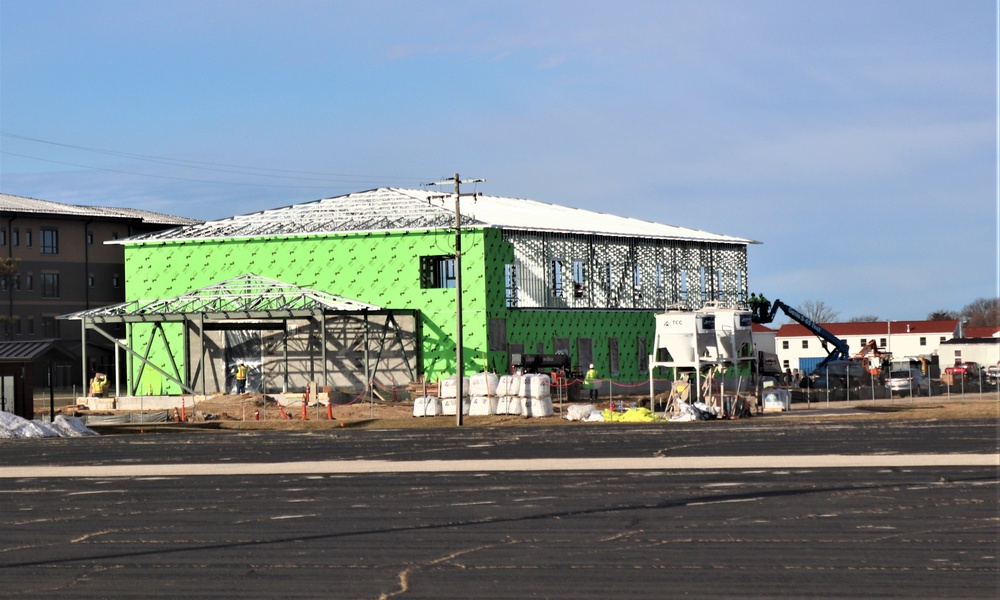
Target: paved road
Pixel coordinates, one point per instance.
(715, 531)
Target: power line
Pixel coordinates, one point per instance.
(163, 176)
(203, 165)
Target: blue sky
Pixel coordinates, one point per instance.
(856, 140)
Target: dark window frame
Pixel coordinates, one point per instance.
(50, 240)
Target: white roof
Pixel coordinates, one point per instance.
(386, 209)
(43, 208)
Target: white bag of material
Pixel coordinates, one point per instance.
(579, 412)
(449, 387)
(483, 384)
(481, 406)
(537, 407)
(449, 406)
(535, 385)
(426, 406)
(508, 385)
(509, 405)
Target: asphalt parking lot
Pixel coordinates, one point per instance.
(718, 527)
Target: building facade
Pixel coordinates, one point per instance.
(536, 277)
(798, 348)
(61, 264)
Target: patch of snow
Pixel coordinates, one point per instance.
(13, 426)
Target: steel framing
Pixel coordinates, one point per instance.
(247, 302)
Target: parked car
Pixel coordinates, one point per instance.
(909, 381)
(823, 382)
(993, 374)
(967, 369)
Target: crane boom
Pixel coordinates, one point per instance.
(841, 350)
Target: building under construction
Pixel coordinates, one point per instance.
(360, 289)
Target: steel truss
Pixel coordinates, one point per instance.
(247, 302)
(560, 270)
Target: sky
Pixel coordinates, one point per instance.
(857, 141)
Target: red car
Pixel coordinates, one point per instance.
(969, 370)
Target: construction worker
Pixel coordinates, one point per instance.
(753, 303)
(588, 382)
(763, 306)
(241, 378)
(98, 385)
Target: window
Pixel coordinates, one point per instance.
(50, 285)
(114, 235)
(784, 345)
(17, 282)
(31, 325)
(27, 237)
(50, 327)
(659, 281)
(942, 339)
(577, 279)
(864, 341)
(805, 343)
(15, 237)
(613, 355)
(784, 363)
(90, 238)
(90, 281)
(50, 241)
(557, 279)
(17, 326)
(881, 342)
(114, 280)
(923, 341)
(510, 285)
(3, 236)
(436, 272)
(29, 282)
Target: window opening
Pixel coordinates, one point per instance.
(437, 272)
(557, 279)
(577, 279)
(50, 285)
(510, 284)
(50, 241)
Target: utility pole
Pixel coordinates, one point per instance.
(459, 364)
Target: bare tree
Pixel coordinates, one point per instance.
(864, 319)
(982, 312)
(8, 274)
(818, 311)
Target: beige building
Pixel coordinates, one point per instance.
(63, 265)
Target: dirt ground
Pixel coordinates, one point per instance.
(248, 412)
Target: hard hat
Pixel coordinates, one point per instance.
(591, 365)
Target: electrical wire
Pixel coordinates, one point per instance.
(205, 166)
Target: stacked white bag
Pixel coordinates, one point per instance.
(509, 400)
(536, 392)
(483, 389)
(426, 406)
(448, 390)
